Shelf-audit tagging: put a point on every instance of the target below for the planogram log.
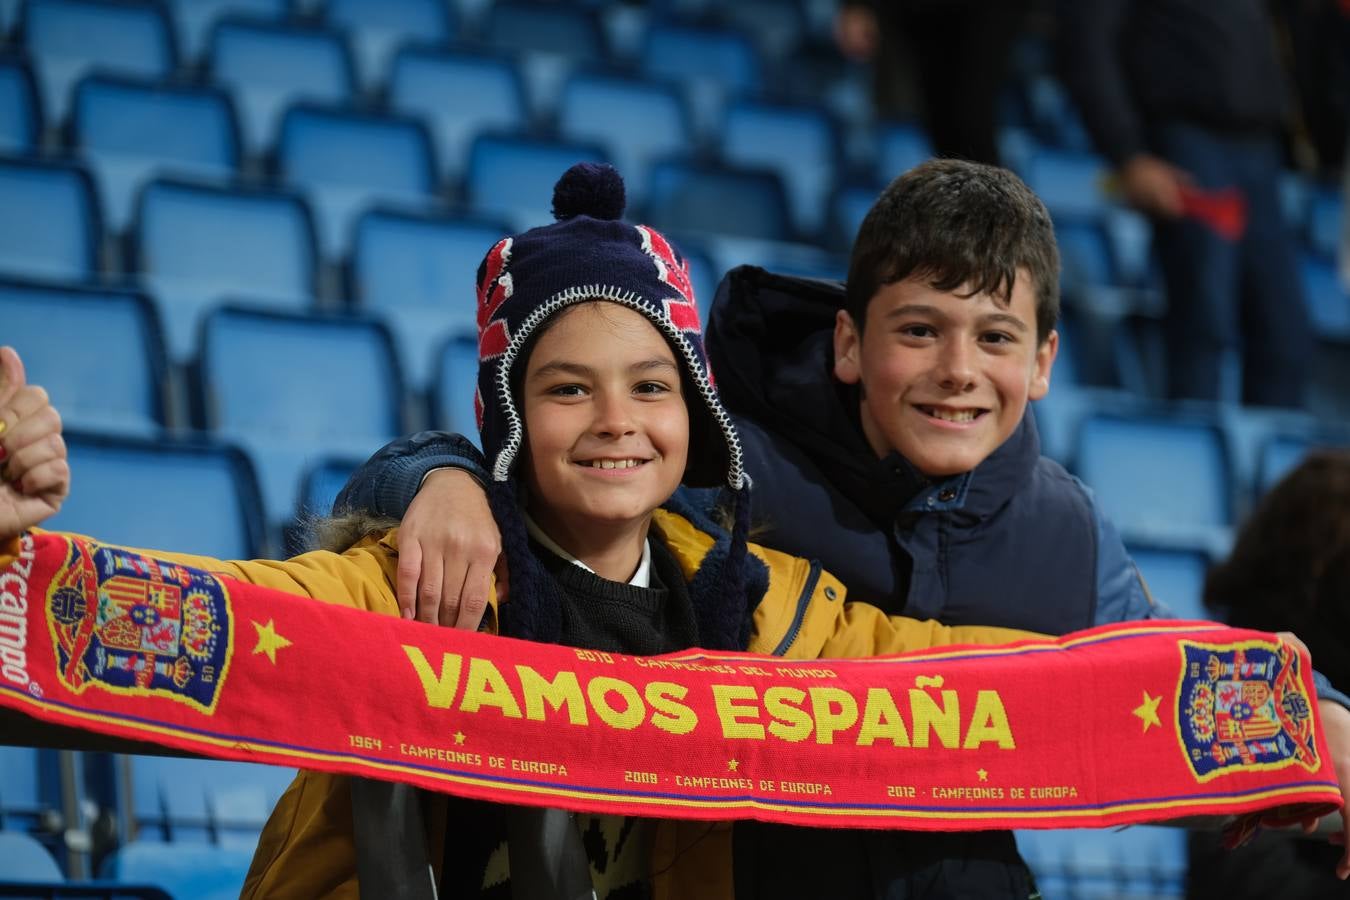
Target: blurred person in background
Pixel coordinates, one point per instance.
(1187, 98)
(1289, 570)
(955, 53)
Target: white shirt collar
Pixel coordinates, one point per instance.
(641, 578)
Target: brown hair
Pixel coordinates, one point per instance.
(1290, 566)
(957, 224)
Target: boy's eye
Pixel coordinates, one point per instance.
(566, 390)
(652, 387)
(998, 337)
(918, 330)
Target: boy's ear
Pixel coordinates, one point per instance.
(1045, 361)
(847, 348)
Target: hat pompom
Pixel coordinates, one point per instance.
(589, 189)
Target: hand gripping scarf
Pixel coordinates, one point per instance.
(1139, 722)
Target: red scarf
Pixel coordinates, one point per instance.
(1131, 723)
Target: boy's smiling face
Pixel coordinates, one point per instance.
(606, 425)
(945, 378)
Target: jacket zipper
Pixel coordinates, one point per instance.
(803, 601)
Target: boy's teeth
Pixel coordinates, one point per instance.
(613, 463)
(964, 415)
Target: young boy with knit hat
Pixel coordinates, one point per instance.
(596, 403)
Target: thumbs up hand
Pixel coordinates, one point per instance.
(34, 473)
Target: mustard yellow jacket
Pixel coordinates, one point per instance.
(307, 849)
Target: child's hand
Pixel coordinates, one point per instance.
(34, 473)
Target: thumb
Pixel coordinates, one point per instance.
(11, 374)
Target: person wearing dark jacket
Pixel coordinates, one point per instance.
(1189, 94)
(886, 428)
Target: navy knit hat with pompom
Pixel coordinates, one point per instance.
(586, 255)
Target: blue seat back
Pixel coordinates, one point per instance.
(324, 378)
(1070, 184)
(678, 52)
(1140, 861)
(194, 19)
(1279, 456)
(30, 787)
(1326, 214)
(378, 27)
(226, 242)
(322, 483)
(635, 121)
(684, 198)
(900, 147)
(270, 65)
(20, 117)
(166, 495)
(798, 143)
(565, 30)
(328, 147)
(458, 94)
(514, 176)
(104, 366)
(130, 129)
(1175, 577)
(1328, 302)
(1152, 473)
(67, 38)
(23, 859)
(455, 386)
(1085, 253)
(187, 800)
(406, 261)
(49, 220)
(202, 871)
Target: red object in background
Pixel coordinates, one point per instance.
(1223, 210)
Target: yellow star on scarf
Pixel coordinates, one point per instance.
(1148, 711)
(269, 641)
(733, 765)
(459, 738)
(984, 776)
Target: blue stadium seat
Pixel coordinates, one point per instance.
(331, 385)
(378, 27)
(1069, 183)
(540, 27)
(194, 19)
(98, 352)
(23, 859)
(129, 130)
(270, 65)
(1054, 116)
(196, 245)
(458, 94)
(20, 116)
(685, 197)
(900, 147)
(1175, 577)
(1279, 456)
(711, 63)
(455, 385)
(1143, 862)
(1328, 301)
(49, 219)
(321, 483)
(348, 161)
(635, 121)
(181, 800)
(418, 273)
(159, 494)
(30, 790)
(704, 275)
(1189, 498)
(199, 871)
(1326, 212)
(513, 176)
(1085, 253)
(799, 143)
(67, 38)
(847, 211)
(776, 27)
